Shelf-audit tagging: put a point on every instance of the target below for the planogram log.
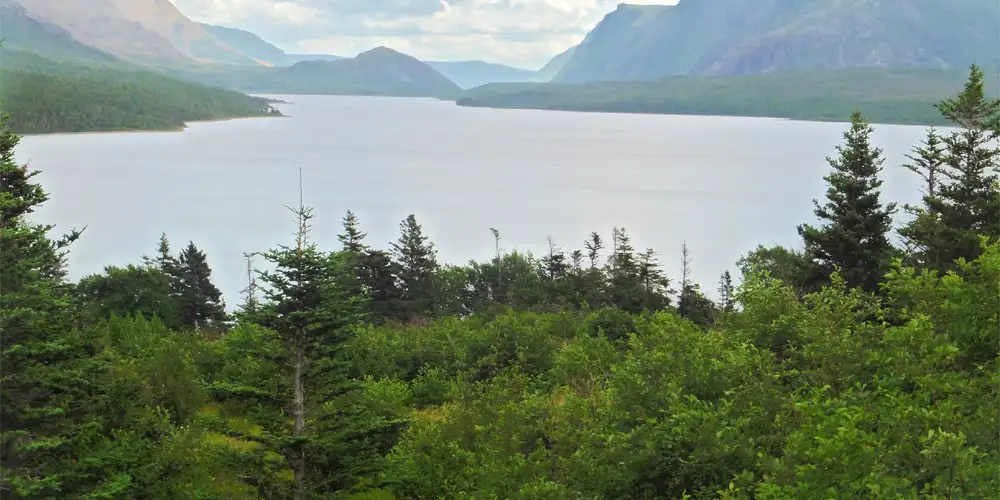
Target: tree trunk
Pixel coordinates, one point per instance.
(299, 411)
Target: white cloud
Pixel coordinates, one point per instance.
(520, 32)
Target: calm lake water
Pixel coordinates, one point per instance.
(723, 185)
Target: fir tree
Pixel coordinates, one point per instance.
(624, 283)
(417, 261)
(331, 443)
(726, 301)
(352, 238)
(854, 235)
(379, 276)
(594, 246)
(691, 303)
(965, 205)
(655, 284)
(44, 413)
(200, 300)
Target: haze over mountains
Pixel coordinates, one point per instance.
(739, 37)
(632, 44)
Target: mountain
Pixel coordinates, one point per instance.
(737, 37)
(552, 68)
(144, 31)
(249, 44)
(469, 74)
(22, 33)
(380, 71)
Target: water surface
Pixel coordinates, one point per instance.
(721, 184)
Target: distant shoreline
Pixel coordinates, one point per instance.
(179, 128)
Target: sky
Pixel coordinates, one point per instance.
(523, 33)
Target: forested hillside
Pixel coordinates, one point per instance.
(887, 96)
(849, 368)
(87, 100)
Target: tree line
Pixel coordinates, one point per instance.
(851, 367)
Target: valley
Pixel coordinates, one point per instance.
(628, 63)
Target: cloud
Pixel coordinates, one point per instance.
(520, 32)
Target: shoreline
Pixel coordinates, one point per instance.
(180, 128)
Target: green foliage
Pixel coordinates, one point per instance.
(514, 378)
(104, 99)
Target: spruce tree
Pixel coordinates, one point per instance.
(45, 419)
(201, 302)
(726, 290)
(417, 260)
(967, 203)
(352, 238)
(331, 442)
(853, 237)
(624, 282)
(692, 304)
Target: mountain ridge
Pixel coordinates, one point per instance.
(739, 37)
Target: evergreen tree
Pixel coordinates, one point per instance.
(726, 301)
(624, 283)
(352, 238)
(164, 260)
(331, 443)
(692, 304)
(44, 414)
(417, 261)
(965, 205)
(928, 161)
(854, 236)
(594, 246)
(379, 277)
(200, 300)
(655, 284)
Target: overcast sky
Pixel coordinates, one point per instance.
(523, 33)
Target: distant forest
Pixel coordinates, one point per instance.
(111, 100)
(849, 368)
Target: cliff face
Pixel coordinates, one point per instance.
(735, 37)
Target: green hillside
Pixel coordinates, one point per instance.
(885, 96)
(46, 97)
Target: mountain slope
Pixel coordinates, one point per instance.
(20, 32)
(248, 43)
(552, 68)
(380, 71)
(735, 37)
(147, 31)
(469, 74)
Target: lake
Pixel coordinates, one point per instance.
(723, 185)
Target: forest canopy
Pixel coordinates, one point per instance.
(113, 100)
(847, 368)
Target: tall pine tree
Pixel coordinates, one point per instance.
(44, 413)
(966, 204)
(853, 237)
(417, 260)
(332, 443)
(200, 300)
